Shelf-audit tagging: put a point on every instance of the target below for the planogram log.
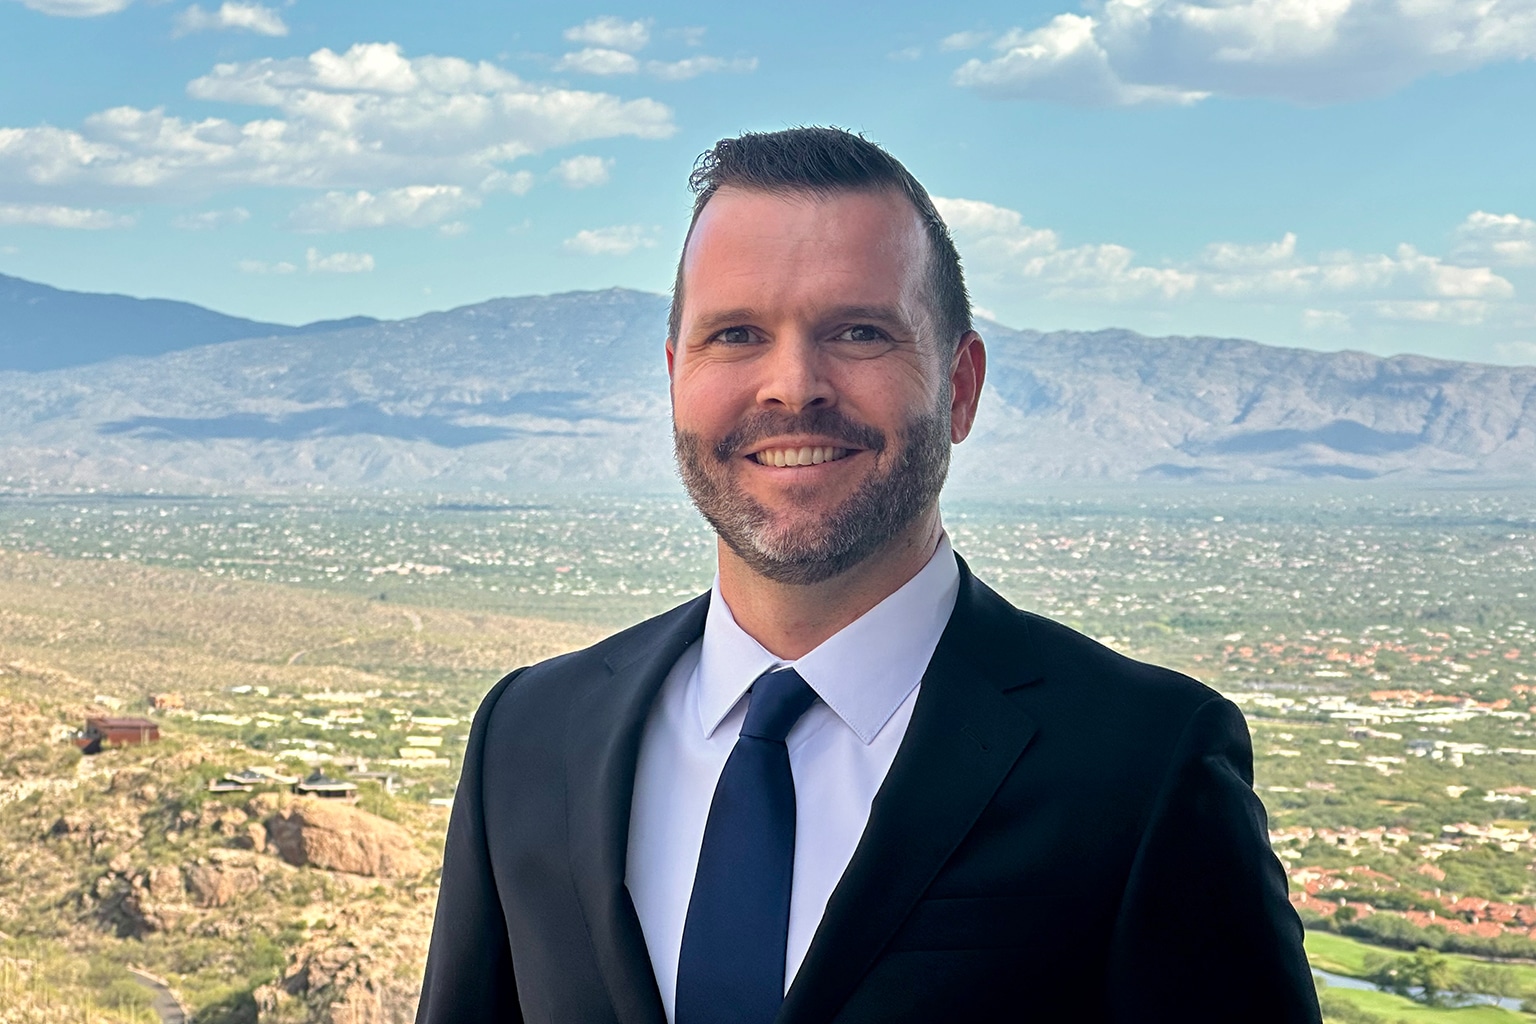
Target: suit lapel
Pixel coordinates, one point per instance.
(602, 747)
(964, 737)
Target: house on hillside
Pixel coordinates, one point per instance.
(247, 780)
(317, 785)
(389, 780)
(110, 731)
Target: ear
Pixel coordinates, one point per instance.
(671, 354)
(968, 369)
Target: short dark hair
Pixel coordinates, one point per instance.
(824, 161)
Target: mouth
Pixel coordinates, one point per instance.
(803, 455)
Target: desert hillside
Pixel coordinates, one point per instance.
(250, 906)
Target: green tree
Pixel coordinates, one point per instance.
(1425, 975)
(1490, 979)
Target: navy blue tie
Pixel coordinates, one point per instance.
(731, 967)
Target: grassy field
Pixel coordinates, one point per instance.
(1341, 955)
(1397, 1010)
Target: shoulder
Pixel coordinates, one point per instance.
(1014, 641)
(1076, 687)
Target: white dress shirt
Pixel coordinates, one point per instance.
(867, 677)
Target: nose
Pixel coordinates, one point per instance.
(794, 375)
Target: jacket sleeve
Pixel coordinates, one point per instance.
(469, 976)
(1205, 932)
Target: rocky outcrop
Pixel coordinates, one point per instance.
(338, 984)
(132, 904)
(131, 845)
(163, 883)
(219, 885)
(339, 837)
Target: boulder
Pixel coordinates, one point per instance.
(122, 907)
(338, 984)
(340, 837)
(163, 882)
(72, 824)
(213, 885)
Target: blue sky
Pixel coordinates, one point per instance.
(1327, 173)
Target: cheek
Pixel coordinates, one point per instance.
(700, 401)
(893, 393)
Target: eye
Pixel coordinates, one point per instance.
(862, 332)
(735, 336)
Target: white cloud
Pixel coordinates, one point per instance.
(263, 267)
(453, 229)
(615, 241)
(264, 21)
(1522, 352)
(1465, 312)
(1129, 52)
(367, 118)
(1229, 256)
(208, 220)
(692, 67)
(611, 33)
(599, 61)
(77, 8)
(997, 242)
(906, 53)
(964, 40)
(1411, 270)
(613, 62)
(516, 182)
(583, 171)
(414, 206)
(1063, 62)
(1325, 321)
(1403, 285)
(1503, 239)
(338, 262)
(43, 215)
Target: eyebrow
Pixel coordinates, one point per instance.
(711, 322)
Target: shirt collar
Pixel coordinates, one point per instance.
(863, 672)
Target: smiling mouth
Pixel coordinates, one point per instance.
(807, 456)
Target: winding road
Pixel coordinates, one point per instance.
(164, 1001)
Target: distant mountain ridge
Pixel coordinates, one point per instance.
(571, 390)
(1117, 404)
(45, 328)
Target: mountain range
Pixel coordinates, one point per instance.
(571, 390)
(44, 328)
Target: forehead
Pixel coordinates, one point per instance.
(758, 249)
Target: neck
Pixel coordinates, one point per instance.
(791, 620)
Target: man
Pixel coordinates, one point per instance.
(850, 783)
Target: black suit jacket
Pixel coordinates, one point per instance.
(1064, 835)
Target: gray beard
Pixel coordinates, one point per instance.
(868, 520)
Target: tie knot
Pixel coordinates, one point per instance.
(777, 701)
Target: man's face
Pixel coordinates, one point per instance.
(813, 408)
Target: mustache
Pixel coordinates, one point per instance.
(829, 422)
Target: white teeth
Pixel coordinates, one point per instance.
(809, 456)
